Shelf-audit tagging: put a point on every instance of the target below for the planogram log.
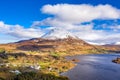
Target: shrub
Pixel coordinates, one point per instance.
(11, 58)
(55, 55)
(2, 50)
(39, 76)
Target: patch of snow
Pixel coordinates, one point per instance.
(36, 67)
(58, 33)
(16, 72)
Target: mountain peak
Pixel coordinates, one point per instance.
(58, 33)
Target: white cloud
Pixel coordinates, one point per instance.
(107, 38)
(115, 27)
(19, 31)
(81, 13)
(4, 28)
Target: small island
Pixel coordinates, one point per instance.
(117, 60)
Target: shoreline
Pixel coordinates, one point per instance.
(69, 72)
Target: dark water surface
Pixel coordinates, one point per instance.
(95, 67)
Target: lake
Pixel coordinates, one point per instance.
(94, 67)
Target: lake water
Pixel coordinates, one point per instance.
(94, 67)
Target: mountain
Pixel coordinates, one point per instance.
(58, 45)
(57, 40)
(69, 45)
(109, 47)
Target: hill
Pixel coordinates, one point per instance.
(68, 45)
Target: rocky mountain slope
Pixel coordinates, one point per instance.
(68, 45)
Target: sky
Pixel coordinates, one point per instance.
(95, 21)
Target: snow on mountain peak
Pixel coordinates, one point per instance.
(58, 33)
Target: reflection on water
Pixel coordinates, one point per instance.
(95, 67)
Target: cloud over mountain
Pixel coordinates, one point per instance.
(81, 13)
(19, 31)
(71, 18)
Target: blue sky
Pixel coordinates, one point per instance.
(24, 12)
(24, 15)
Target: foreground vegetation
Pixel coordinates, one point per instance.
(31, 76)
(33, 65)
